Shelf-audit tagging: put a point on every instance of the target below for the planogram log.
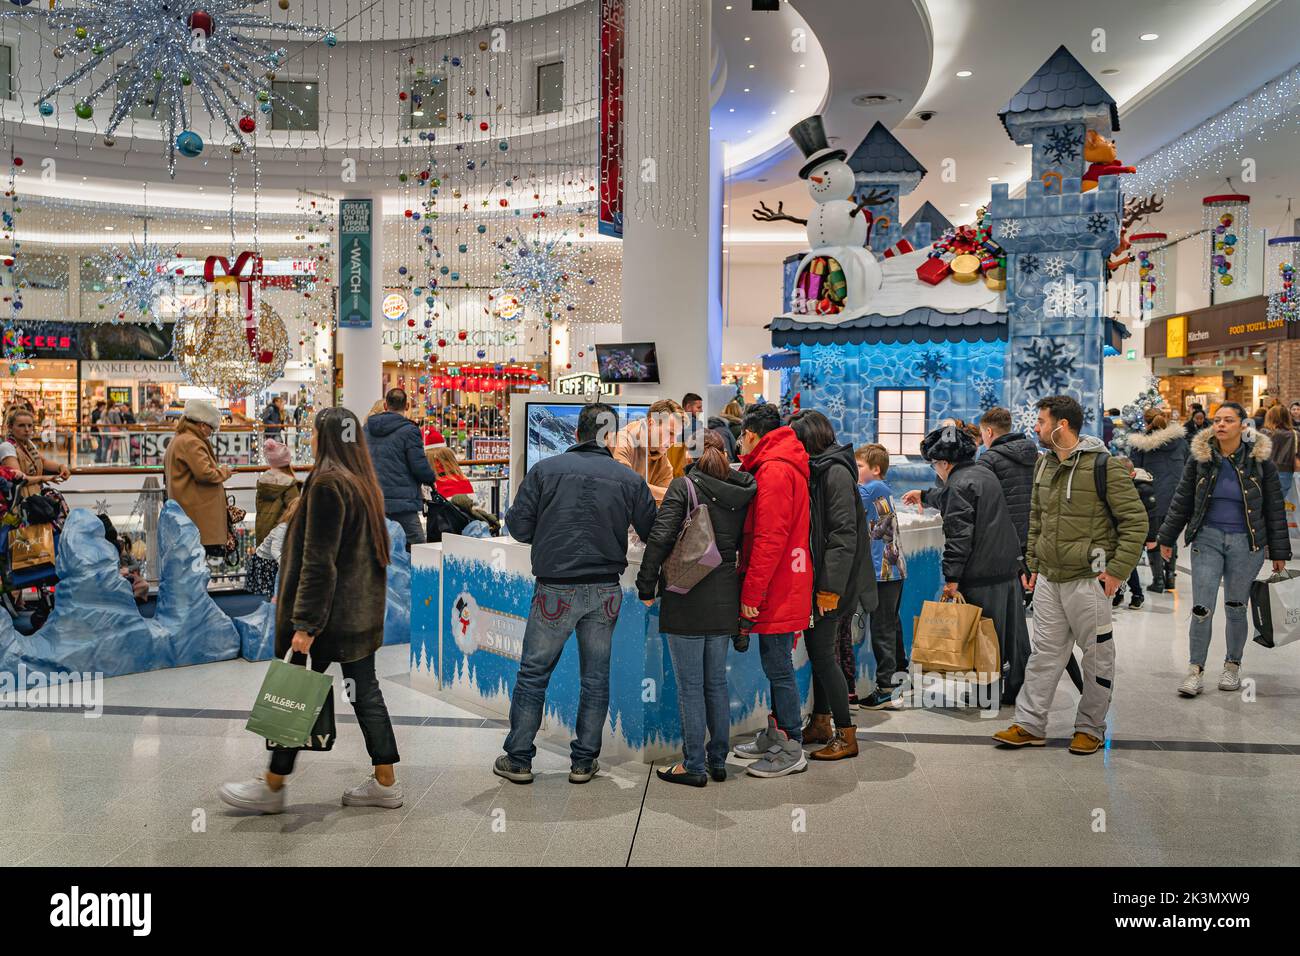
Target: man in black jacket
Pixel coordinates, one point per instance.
(397, 450)
(981, 554)
(574, 509)
(1012, 457)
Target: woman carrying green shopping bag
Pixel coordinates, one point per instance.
(330, 605)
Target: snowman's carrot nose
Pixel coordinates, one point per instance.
(816, 179)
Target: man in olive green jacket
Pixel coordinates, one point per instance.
(1081, 548)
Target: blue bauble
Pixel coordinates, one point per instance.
(265, 107)
(189, 143)
(46, 109)
(481, 228)
(331, 38)
(20, 3)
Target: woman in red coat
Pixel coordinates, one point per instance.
(776, 594)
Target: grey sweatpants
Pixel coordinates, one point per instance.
(1065, 614)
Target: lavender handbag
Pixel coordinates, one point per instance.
(696, 552)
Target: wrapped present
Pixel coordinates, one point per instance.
(933, 270)
(900, 248)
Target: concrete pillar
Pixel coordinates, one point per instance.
(361, 349)
(672, 293)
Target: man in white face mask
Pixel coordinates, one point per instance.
(1087, 527)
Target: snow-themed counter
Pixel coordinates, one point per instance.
(469, 606)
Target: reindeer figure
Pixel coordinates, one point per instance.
(1134, 209)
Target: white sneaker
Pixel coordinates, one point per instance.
(1193, 683)
(253, 795)
(372, 793)
(1231, 677)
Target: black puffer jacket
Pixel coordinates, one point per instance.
(1012, 457)
(397, 449)
(713, 605)
(1163, 454)
(841, 550)
(980, 542)
(723, 429)
(1265, 505)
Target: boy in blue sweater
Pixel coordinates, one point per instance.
(891, 569)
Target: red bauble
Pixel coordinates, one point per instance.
(483, 126)
(247, 124)
(402, 96)
(442, 343)
(504, 202)
(201, 20)
(462, 335)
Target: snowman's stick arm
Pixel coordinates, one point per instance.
(765, 214)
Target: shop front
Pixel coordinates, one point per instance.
(1229, 352)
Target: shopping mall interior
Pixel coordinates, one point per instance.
(229, 218)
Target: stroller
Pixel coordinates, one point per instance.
(16, 512)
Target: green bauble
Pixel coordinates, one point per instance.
(185, 79)
(84, 110)
(263, 96)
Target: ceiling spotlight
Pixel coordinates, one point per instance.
(109, 228)
(751, 66)
(1149, 36)
(964, 204)
(747, 89)
(1109, 72)
(746, 39)
(207, 228)
(993, 179)
(964, 73)
(731, 109)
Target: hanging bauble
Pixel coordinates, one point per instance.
(189, 143)
(263, 96)
(110, 141)
(46, 109)
(283, 4)
(247, 124)
(331, 39)
(84, 110)
(201, 22)
(503, 146)
(482, 44)
(186, 79)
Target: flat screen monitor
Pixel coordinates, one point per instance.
(629, 362)
(550, 429)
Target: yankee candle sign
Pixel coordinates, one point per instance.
(355, 216)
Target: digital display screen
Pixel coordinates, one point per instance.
(628, 362)
(551, 429)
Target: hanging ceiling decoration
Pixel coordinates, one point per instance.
(215, 353)
(545, 273)
(164, 54)
(138, 277)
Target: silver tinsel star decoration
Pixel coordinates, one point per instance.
(137, 277)
(545, 274)
(167, 54)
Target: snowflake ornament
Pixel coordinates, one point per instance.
(1054, 266)
(833, 406)
(986, 391)
(1047, 367)
(1024, 417)
(828, 359)
(543, 273)
(1009, 229)
(1098, 223)
(1063, 145)
(931, 366)
(1066, 298)
(136, 277)
(1028, 265)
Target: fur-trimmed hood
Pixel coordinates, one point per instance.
(1152, 441)
(1261, 446)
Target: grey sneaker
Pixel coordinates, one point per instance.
(253, 795)
(1231, 677)
(372, 793)
(1193, 683)
(583, 774)
(761, 744)
(786, 756)
(505, 767)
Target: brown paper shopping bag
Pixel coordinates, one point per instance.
(988, 655)
(945, 636)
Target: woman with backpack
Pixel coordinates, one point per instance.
(843, 574)
(1231, 505)
(699, 623)
(1161, 451)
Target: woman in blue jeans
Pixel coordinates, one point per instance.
(700, 623)
(1231, 503)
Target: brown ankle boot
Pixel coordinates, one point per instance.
(819, 729)
(843, 744)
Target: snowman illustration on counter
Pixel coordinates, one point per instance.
(840, 275)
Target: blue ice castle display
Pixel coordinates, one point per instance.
(1052, 336)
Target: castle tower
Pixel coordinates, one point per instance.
(1057, 240)
(926, 225)
(882, 164)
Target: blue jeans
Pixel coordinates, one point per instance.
(558, 610)
(1218, 556)
(775, 653)
(700, 665)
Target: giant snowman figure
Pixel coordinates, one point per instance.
(840, 275)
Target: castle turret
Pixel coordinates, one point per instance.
(881, 164)
(1057, 240)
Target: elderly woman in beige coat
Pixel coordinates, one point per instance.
(194, 478)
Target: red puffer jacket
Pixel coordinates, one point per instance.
(775, 559)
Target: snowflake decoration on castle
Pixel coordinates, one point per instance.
(986, 390)
(168, 54)
(1028, 265)
(1098, 223)
(1054, 266)
(833, 407)
(828, 359)
(1047, 367)
(1065, 298)
(1062, 145)
(1024, 417)
(544, 274)
(136, 278)
(931, 366)
(1009, 229)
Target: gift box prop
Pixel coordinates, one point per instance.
(967, 254)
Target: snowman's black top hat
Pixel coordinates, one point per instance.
(810, 136)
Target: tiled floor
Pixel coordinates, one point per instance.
(928, 788)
